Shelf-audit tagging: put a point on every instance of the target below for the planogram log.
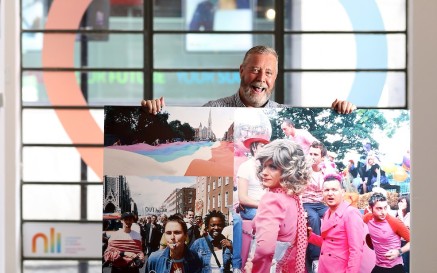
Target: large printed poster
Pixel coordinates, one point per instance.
(191, 161)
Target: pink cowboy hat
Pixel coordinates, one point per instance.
(256, 138)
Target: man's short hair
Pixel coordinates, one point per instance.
(319, 145)
(376, 197)
(289, 122)
(334, 177)
(176, 218)
(260, 49)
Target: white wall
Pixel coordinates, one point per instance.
(9, 138)
(2, 142)
(423, 95)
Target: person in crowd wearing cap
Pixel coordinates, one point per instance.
(386, 232)
(279, 225)
(312, 199)
(258, 73)
(300, 136)
(124, 250)
(176, 257)
(342, 232)
(249, 191)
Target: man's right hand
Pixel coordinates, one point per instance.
(309, 230)
(153, 106)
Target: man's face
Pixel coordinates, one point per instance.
(332, 193)
(287, 129)
(154, 220)
(174, 235)
(258, 75)
(190, 215)
(127, 222)
(316, 156)
(380, 210)
(198, 221)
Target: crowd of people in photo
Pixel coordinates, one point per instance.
(296, 178)
(178, 243)
(300, 221)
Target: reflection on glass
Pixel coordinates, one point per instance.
(333, 15)
(60, 202)
(317, 89)
(219, 15)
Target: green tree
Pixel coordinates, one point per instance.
(340, 133)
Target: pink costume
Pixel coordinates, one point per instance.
(386, 235)
(341, 240)
(303, 138)
(276, 220)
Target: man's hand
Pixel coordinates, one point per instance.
(309, 230)
(343, 106)
(392, 254)
(153, 106)
(248, 266)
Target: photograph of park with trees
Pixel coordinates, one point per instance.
(356, 143)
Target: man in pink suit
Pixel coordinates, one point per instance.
(341, 238)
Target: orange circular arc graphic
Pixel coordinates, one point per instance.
(62, 87)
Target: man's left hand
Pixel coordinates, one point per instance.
(343, 106)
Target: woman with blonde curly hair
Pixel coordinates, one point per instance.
(279, 226)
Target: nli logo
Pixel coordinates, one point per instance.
(54, 240)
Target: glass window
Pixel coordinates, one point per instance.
(233, 15)
(101, 87)
(110, 53)
(50, 266)
(60, 202)
(332, 15)
(100, 14)
(85, 50)
(94, 202)
(56, 164)
(369, 88)
(346, 51)
(173, 52)
(37, 122)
